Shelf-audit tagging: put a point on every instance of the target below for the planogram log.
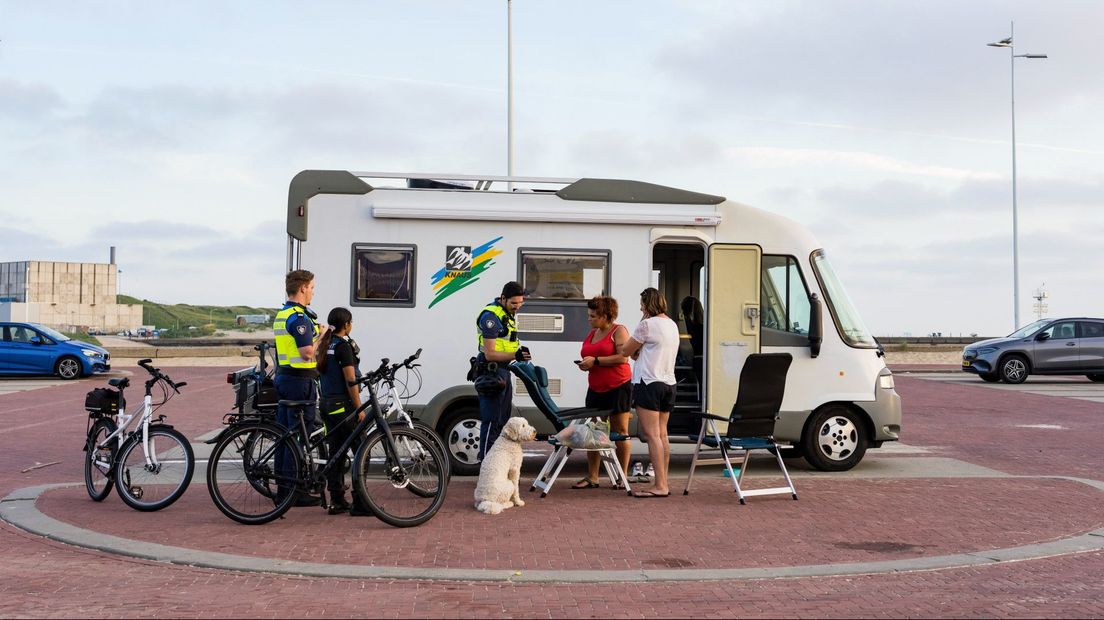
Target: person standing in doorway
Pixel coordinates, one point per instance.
(654, 345)
(498, 346)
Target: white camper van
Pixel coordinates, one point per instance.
(416, 257)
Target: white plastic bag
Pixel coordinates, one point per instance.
(589, 435)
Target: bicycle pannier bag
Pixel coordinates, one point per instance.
(104, 401)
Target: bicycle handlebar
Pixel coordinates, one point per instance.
(157, 374)
(386, 369)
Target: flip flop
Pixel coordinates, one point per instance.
(585, 483)
(643, 494)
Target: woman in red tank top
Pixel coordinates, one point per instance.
(609, 378)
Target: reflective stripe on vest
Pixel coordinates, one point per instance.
(508, 343)
(287, 352)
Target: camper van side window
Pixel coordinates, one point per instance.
(383, 275)
(564, 275)
(784, 298)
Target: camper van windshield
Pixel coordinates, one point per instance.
(847, 319)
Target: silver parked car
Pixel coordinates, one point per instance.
(1072, 346)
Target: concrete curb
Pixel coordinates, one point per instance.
(19, 509)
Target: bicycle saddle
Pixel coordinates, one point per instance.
(119, 382)
(298, 403)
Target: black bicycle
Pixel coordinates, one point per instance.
(258, 469)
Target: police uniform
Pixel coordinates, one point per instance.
(337, 411)
(494, 409)
(296, 378)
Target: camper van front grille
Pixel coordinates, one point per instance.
(540, 323)
(555, 387)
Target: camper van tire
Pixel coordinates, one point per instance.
(835, 439)
(460, 429)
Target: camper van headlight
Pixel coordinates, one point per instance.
(885, 382)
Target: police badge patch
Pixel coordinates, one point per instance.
(302, 329)
(490, 323)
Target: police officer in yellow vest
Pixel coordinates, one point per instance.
(498, 343)
(297, 336)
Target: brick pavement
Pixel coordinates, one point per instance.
(44, 578)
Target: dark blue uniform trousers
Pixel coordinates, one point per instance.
(494, 412)
(290, 387)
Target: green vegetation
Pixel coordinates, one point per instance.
(83, 338)
(177, 319)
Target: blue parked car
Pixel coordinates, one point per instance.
(1071, 346)
(33, 349)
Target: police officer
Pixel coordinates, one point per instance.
(297, 336)
(498, 343)
(339, 365)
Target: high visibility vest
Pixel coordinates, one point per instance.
(287, 352)
(508, 343)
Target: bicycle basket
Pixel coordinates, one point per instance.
(103, 402)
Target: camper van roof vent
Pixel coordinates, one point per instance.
(617, 190)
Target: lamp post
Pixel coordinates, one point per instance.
(1015, 221)
(509, 93)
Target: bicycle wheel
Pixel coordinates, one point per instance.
(98, 478)
(158, 483)
(242, 476)
(432, 435)
(406, 492)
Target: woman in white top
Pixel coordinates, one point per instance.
(654, 344)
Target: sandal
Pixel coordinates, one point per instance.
(585, 483)
(643, 494)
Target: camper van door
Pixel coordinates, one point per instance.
(732, 320)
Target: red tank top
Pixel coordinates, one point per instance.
(605, 378)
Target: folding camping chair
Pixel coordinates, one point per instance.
(750, 425)
(535, 380)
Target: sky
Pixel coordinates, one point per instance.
(172, 130)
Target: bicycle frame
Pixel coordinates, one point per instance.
(377, 419)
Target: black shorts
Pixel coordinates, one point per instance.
(656, 396)
(617, 400)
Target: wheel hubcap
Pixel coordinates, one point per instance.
(1014, 369)
(838, 438)
(463, 442)
(68, 368)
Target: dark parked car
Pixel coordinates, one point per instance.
(1073, 346)
(33, 349)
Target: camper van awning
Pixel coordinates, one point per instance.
(559, 211)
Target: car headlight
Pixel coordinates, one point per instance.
(987, 350)
(885, 382)
(91, 353)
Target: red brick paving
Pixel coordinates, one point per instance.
(978, 425)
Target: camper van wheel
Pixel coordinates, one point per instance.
(461, 432)
(835, 439)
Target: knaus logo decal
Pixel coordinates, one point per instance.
(463, 266)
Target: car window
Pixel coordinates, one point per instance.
(1061, 331)
(1090, 329)
(4, 334)
(22, 334)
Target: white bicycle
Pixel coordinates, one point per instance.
(152, 464)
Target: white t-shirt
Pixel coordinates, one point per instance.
(659, 337)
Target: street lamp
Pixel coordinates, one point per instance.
(509, 93)
(1015, 222)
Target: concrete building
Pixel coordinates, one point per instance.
(65, 296)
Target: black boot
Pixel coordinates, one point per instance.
(338, 505)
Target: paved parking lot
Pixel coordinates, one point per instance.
(930, 527)
(1068, 387)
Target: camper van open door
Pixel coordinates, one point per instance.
(732, 321)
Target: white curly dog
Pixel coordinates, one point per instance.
(500, 472)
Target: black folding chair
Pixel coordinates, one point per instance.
(535, 380)
(750, 425)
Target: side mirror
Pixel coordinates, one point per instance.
(815, 331)
(1042, 336)
(36, 340)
